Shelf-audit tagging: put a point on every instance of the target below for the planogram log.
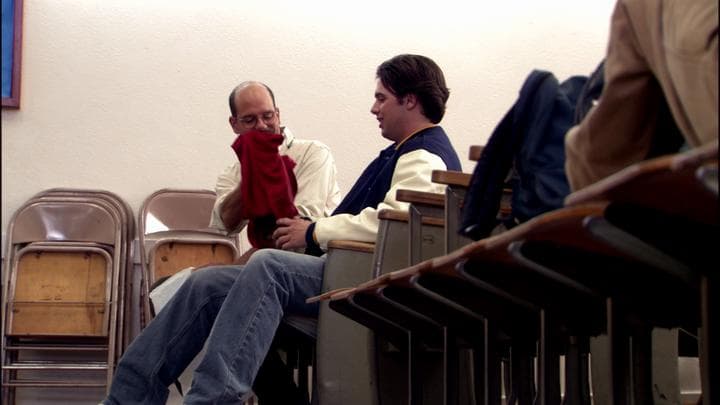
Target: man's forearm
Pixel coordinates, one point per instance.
(230, 210)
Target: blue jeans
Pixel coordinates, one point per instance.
(237, 310)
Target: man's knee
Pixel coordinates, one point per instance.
(272, 265)
(268, 255)
(212, 280)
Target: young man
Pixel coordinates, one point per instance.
(236, 313)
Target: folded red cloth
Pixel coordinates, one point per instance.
(268, 185)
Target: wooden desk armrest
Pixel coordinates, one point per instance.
(475, 152)
(326, 295)
(451, 178)
(403, 216)
(421, 197)
(364, 247)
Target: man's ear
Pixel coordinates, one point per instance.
(411, 101)
(233, 124)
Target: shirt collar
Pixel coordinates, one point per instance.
(413, 134)
(289, 137)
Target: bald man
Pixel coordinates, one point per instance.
(252, 107)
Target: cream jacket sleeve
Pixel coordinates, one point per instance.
(412, 171)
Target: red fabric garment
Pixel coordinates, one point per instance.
(268, 184)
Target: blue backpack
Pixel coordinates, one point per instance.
(526, 153)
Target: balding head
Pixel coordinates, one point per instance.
(252, 105)
(243, 85)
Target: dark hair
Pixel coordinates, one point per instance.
(418, 75)
(231, 99)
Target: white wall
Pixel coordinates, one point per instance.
(131, 96)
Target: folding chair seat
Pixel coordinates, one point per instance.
(53, 242)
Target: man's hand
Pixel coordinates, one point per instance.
(290, 233)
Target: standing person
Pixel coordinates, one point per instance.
(236, 313)
(659, 51)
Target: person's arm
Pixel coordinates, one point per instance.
(618, 130)
(413, 171)
(230, 209)
(226, 212)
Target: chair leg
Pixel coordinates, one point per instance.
(709, 355)
(665, 382)
(493, 379)
(415, 387)
(584, 371)
(304, 361)
(573, 373)
(618, 337)
(641, 366)
(600, 369)
(450, 367)
(522, 359)
(548, 364)
(479, 370)
(507, 376)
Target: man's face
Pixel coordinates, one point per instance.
(389, 111)
(255, 111)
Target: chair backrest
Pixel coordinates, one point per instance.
(174, 233)
(177, 210)
(63, 221)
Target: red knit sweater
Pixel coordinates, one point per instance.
(268, 185)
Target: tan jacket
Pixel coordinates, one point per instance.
(657, 48)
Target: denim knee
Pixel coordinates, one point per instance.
(212, 280)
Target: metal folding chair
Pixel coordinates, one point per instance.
(52, 243)
(174, 233)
